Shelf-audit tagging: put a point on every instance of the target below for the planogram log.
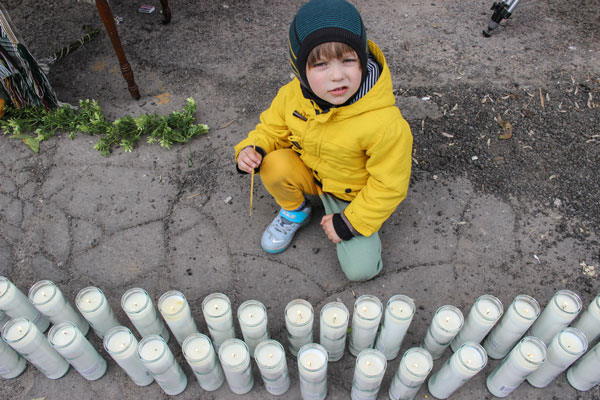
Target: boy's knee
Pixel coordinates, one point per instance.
(362, 270)
(275, 166)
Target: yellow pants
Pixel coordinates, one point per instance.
(287, 179)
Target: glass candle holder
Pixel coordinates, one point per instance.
(122, 346)
(312, 371)
(446, 323)
(11, 363)
(482, 317)
(589, 321)
(414, 367)
(216, 308)
(519, 317)
(526, 357)
(270, 358)
(176, 311)
(70, 343)
(464, 364)
(200, 355)
(141, 312)
(252, 316)
(156, 356)
(368, 373)
(49, 300)
(94, 307)
(585, 374)
(15, 304)
(365, 323)
(398, 315)
(25, 338)
(235, 360)
(563, 308)
(333, 329)
(299, 318)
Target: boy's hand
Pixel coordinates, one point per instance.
(327, 224)
(249, 159)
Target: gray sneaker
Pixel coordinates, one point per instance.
(279, 234)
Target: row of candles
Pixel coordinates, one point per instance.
(549, 348)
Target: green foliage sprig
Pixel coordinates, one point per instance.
(125, 132)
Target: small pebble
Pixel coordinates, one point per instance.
(228, 199)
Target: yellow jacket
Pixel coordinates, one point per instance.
(360, 153)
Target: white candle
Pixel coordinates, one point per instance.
(176, 311)
(94, 307)
(299, 318)
(122, 346)
(158, 359)
(201, 356)
(482, 317)
(527, 356)
(3, 319)
(235, 359)
(564, 350)
(368, 374)
(365, 323)
(49, 300)
(333, 329)
(24, 337)
(219, 318)
(252, 316)
(585, 374)
(446, 323)
(519, 317)
(11, 363)
(270, 358)
(414, 367)
(562, 309)
(464, 364)
(589, 322)
(15, 304)
(398, 316)
(141, 312)
(70, 343)
(312, 369)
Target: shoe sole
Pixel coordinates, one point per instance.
(277, 251)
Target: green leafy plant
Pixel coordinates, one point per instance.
(35, 124)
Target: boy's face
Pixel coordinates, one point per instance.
(335, 80)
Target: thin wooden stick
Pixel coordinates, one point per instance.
(252, 183)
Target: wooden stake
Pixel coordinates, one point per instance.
(252, 183)
(542, 100)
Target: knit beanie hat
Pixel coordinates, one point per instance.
(321, 21)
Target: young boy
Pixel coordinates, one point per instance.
(333, 131)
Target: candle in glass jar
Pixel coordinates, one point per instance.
(299, 317)
(482, 317)
(312, 371)
(252, 316)
(235, 360)
(585, 373)
(11, 363)
(562, 309)
(200, 355)
(176, 311)
(141, 312)
(397, 318)
(519, 317)
(564, 350)
(159, 361)
(526, 357)
(365, 323)
(70, 343)
(219, 318)
(368, 373)
(49, 300)
(446, 323)
(15, 304)
(24, 337)
(414, 367)
(589, 322)
(464, 364)
(270, 358)
(333, 329)
(94, 307)
(122, 346)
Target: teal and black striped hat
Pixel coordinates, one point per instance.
(320, 21)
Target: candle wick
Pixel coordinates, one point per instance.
(172, 308)
(447, 319)
(310, 363)
(65, 333)
(526, 310)
(529, 355)
(468, 361)
(251, 315)
(416, 365)
(122, 344)
(20, 329)
(368, 363)
(564, 306)
(334, 317)
(135, 304)
(487, 311)
(88, 300)
(270, 355)
(197, 350)
(233, 355)
(364, 309)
